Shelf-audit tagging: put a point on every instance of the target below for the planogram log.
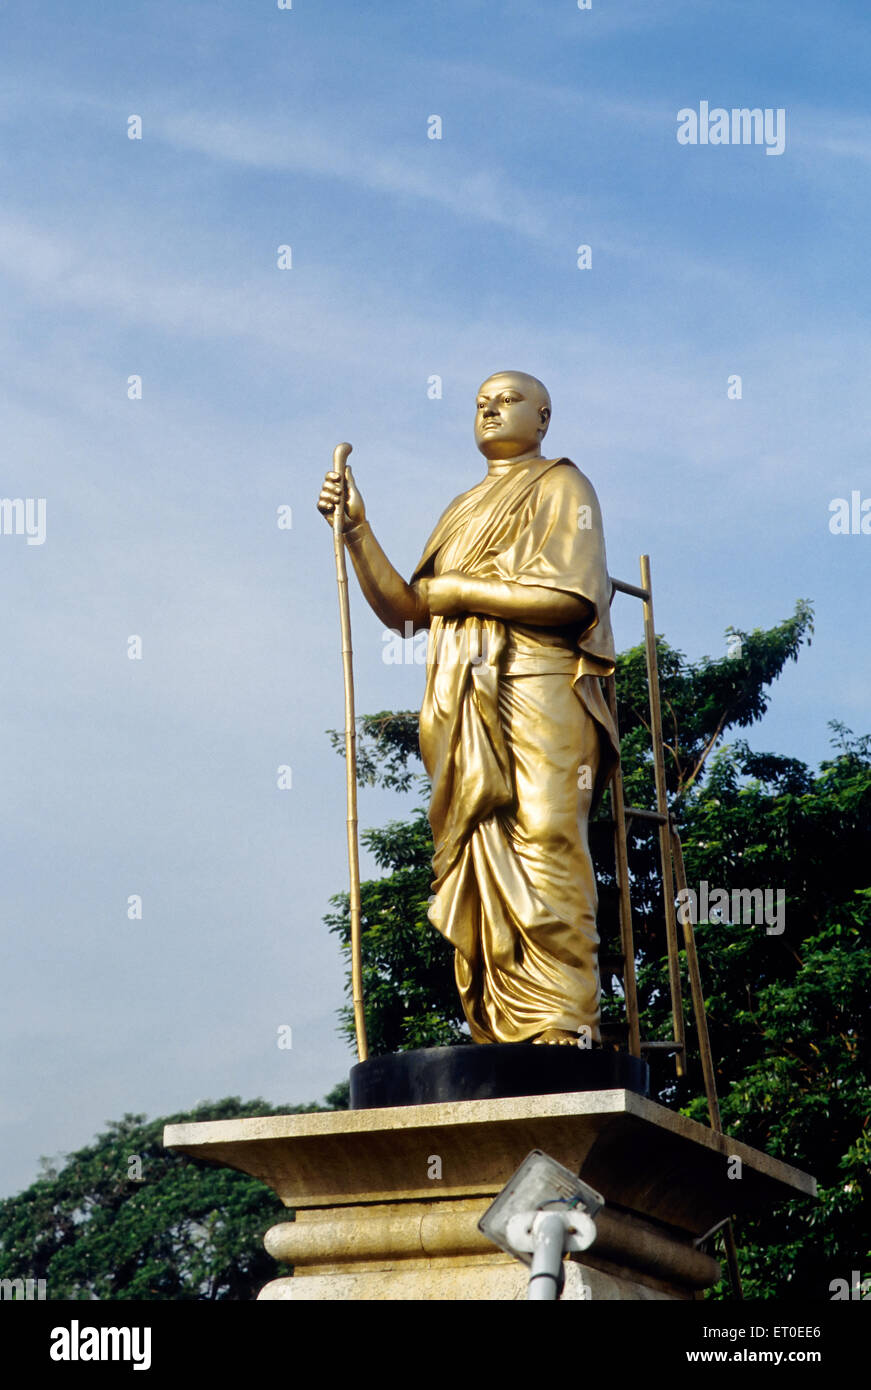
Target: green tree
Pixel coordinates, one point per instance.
(125, 1218)
(787, 1011)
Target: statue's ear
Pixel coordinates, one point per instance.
(544, 415)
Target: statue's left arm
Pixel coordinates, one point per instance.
(453, 593)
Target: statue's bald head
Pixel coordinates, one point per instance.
(512, 416)
(532, 388)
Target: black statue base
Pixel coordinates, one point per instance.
(492, 1071)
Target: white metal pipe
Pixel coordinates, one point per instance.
(549, 1234)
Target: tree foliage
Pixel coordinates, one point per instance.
(124, 1218)
(788, 1011)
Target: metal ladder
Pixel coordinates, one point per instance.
(674, 880)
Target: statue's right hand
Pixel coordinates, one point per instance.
(355, 511)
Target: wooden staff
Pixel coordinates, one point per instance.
(340, 458)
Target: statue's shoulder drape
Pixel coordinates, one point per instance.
(539, 523)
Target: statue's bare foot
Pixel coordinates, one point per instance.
(557, 1035)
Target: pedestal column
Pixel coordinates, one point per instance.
(387, 1200)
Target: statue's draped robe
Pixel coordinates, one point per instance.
(518, 742)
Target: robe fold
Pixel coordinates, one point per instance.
(518, 742)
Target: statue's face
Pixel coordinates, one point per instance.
(512, 416)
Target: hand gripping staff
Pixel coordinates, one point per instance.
(340, 459)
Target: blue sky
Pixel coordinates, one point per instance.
(411, 257)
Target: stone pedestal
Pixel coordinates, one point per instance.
(387, 1201)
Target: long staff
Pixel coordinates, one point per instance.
(340, 459)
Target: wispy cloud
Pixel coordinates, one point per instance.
(845, 137)
(486, 197)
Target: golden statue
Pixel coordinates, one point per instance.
(515, 733)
